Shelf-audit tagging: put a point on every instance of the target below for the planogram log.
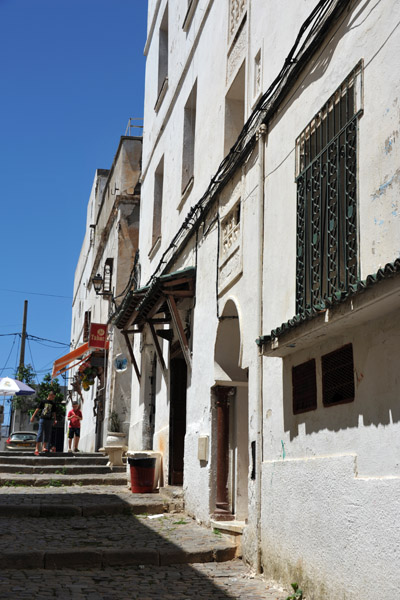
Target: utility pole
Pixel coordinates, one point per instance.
(23, 336)
(22, 353)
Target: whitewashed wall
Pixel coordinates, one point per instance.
(334, 461)
(330, 478)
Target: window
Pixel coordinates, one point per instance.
(234, 109)
(157, 205)
(107, 275)
(338, 376)
(162, 59)
(189, 131)
(304, 387)
(326, 178)
(86, 325)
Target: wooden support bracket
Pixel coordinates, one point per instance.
(179, 328)
(130, 350)
(157, 347)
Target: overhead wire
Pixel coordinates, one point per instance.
(246, 139)
(317, 23)
(8, 357)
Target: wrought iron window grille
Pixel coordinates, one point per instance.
(326, 178)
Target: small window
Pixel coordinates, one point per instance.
(338, 376)
(304, 387)
(162, 59)
(234, 109)
(157, 205)
(107, 278)
(86, 325)
(189, 133)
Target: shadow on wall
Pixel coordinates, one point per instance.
(320, 63)
(376, 384)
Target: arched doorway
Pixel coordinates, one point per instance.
(230, 406)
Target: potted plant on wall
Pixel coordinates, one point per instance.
(115, 437)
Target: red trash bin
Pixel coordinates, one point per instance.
(142, 474)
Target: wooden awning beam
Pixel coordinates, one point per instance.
(179, 293)
(179, 329)
(157, 347)
(131, 354)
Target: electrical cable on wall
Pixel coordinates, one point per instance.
(318, 22)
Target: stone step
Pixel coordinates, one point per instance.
(57, 480)
(60, 469)
(10, 453)
(109, 541)
(53, 459)
(76, 500)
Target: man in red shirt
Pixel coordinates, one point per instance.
(74, 417)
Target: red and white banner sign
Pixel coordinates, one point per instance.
(97, 335)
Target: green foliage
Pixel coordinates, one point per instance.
(45, 388)
(26, 374)
(217, 532)
(62, 471)
(298, 594)
(55, 483)
(180, 522)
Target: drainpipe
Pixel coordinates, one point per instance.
(259, 454)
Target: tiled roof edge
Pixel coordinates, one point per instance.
(388, 271)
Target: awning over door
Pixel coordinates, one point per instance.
(156, 305)
(61, 363)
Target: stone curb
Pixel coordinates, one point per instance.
(83, 510)
(66, 480)
(71, 470)
(81, 557)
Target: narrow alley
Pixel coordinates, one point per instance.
(67, 530)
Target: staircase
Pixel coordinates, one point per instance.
(18, 468)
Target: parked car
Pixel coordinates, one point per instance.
(21, 440)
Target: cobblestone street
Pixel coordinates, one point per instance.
(215, 581)
(88, 543)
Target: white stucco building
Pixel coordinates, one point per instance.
(110, 249)
(264, 331)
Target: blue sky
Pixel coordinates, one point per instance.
(72, 74)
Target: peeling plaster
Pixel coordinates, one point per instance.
(395, 179)
(390, 141)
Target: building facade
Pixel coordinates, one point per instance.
(263, 332)
(110, 250)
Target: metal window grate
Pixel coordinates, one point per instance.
(304, 387)
(326, 170)
(107, 276)
(338, 376)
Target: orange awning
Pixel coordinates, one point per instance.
(60, 364)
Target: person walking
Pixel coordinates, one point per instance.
(74, 431)
(47, 409)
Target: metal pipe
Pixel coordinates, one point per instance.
(260, 401)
